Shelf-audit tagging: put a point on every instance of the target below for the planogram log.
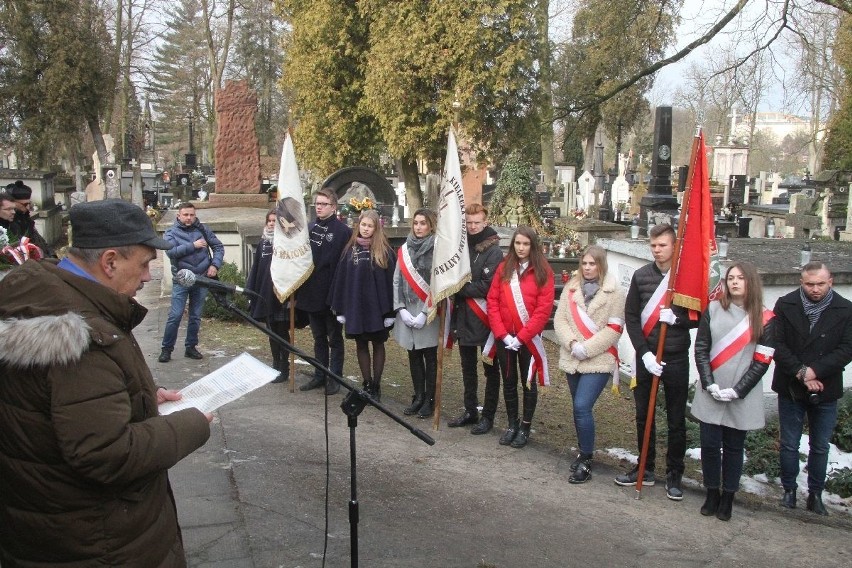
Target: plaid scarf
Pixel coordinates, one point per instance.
(814, 309)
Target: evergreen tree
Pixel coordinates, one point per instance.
(181, 82)
(257, 58)
(55, 77)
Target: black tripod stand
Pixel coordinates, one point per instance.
(352, 405)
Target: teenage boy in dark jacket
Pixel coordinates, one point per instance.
(471, 322)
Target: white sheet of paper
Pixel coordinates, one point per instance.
(239, 377)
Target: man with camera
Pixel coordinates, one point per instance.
(813, 346)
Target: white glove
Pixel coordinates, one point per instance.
(713, 390)
(511, 343)
(650, 362)
(406, 317)
(578, 350)
(342, 320)
(389, 321)
(728, 395)
(668, 316)
(419, 321)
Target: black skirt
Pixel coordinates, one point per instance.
(376, 336)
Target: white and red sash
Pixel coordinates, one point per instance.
(535, 345)
(406, 267)
(735, 341)
(480, 309)
(588, 327)
(651, 312)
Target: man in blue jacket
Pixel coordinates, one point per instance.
(812, 348)
(197, 248)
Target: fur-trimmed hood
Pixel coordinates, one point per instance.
(50, 316)
(43, 340)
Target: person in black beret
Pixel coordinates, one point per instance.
(23, 224)
(85, 453)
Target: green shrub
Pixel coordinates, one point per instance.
(762, 449)
(839, 482)
(231, 275)
(842, 436)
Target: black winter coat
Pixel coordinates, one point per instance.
(826, 349)
(328, 239)
(484, 259)
(642, 286)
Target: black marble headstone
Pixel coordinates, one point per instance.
(659, 197)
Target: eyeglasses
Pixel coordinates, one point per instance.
(318, 204)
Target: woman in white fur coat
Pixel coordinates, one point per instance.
(588, 324)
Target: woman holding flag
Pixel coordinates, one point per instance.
(520, 302)
(588, 323)
(361, 296)
(410, 294)
(733, 349)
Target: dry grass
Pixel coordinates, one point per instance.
(553, 425)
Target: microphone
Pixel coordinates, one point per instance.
(188, 279)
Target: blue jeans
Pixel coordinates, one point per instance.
(328, 342)
(821, 421)
(722, 451)
(196, 295)
(585, 390)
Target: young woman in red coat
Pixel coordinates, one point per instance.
(520, 302)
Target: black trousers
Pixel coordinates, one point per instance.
(469, 355)
(675, 381)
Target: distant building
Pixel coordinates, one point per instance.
(780, 124)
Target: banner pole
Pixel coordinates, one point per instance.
(667, 302)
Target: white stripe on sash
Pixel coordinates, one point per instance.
(651, 312)
(535, 345)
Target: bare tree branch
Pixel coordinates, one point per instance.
(563, 112)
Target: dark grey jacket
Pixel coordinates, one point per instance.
(484, 258)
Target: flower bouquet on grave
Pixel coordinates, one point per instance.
(355, 206)
(578, 214)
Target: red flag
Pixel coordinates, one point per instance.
(692, 280)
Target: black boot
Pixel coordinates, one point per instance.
(726, 505)
(511, 432)
(815, 504)
(416, 402)
(428, 408)
(711, 504)
(789, 499)
(315, 383)
(377, 389)
(522, 436)
(583, 471)
(277, 365)
(418, 381)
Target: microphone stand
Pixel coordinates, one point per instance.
(353, 404)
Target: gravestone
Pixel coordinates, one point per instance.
(620, 191)
(586, 185)
(659, 198)
(237, 149)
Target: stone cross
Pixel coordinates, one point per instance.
(733, 117)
